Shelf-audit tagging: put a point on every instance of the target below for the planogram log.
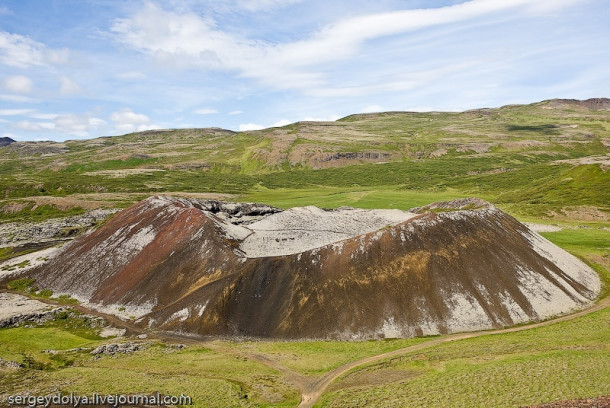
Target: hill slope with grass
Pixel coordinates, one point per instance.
(546, 158)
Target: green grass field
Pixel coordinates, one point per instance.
(312, 358)
(563, 361)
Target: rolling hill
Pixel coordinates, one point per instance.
(547, 159)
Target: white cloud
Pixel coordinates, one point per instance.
(236, 112)
(44, 116)
(15, 112)
(22, 52)
(205, 111)
(260, 5)
(185, 39)
(69, 87)
(151, 126)
(126, 115)
(281, 123)
(404, 81)
(543, 8)
(232, 6)
(18, 84)
(244, 127)
(126, 121)
(78, 125)
(57, 57)
(30, 126)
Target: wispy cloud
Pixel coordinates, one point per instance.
(15, 112)
(69, 87)
(75, 125)
(261, 5)
(226, 6)
(78, 125)
(190, 40)
(22, 52)
(30, 126)
(18, 84)
(44, 116)
(281, 123)
(205, 111)
(126, 120)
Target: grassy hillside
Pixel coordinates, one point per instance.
(544, 158)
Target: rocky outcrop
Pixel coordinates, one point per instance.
(5, 141)
(18, 310)
(37, 148)
(355, 156)
(235, 269)
(21, 233)
(119, 348)
(13, 365)
(592, 103)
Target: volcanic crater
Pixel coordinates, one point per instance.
(242, 269)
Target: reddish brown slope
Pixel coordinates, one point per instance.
(181, 268)
(152, 253)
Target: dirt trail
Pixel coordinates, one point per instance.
(316, 389)
(312, 390)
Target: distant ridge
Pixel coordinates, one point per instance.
(592, 103)
(5, 141)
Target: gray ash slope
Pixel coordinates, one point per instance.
(234, 269)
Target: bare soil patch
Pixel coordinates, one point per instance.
(599, 402)
(602, 160)
(122, 172)
(581, 213)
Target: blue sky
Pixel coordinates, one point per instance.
(73, 69)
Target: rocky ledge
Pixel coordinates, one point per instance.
(22, 233)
